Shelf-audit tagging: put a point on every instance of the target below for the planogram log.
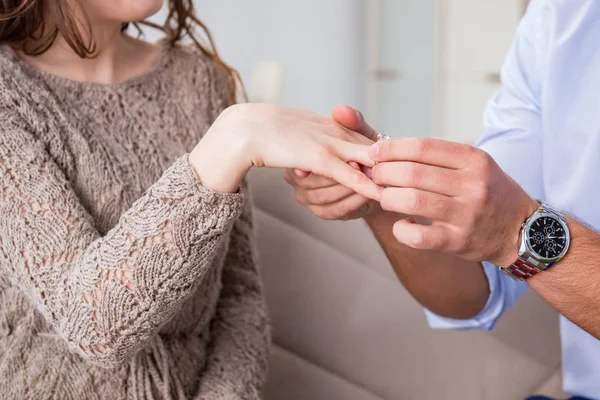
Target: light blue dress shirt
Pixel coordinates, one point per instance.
(543, 129)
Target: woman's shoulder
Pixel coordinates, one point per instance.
(12, 76)
(191, 61)
(197, 70)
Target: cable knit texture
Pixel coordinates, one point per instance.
(121, 277)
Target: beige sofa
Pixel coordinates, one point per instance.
(345, 329)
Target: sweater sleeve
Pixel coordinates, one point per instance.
(105, 296)
(239, 349)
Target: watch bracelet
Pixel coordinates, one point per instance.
(526, 267)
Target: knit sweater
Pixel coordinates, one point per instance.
(121, 277)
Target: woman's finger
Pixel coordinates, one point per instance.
(351, 178)
(359, 139)
(354, 165)
(304, 174)
(312, 181)
(410, 201)
(419, 176)
(353, 152)
(422, 237)
(343, 209)
(325, 196)
(301, 173)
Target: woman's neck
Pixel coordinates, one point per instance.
(117, 57)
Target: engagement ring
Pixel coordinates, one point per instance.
(382, 137)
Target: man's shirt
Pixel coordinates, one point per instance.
(543, 129)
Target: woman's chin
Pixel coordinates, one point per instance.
(144, 9)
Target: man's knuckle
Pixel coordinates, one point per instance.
(482, 161)
(442, 206)
(376, 173)
(319, 197)
(413, 174)
(320, 212)
(479, 192)
(386, 200)
(414, 200)
(326, 213)
(301, 198)
(420, 147)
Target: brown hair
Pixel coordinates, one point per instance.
(23, 25)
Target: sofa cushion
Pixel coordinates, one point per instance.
(293, 378)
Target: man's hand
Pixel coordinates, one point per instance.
(475, 208)
(325, 197)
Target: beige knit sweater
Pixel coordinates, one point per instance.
(121, 277)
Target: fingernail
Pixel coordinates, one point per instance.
(300, 173)
(374, 151)
(358, 114)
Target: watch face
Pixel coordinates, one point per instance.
(547, 237)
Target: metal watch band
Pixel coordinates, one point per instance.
(551, 210)
(522, 269)
(525, 267)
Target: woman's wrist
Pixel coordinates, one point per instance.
(221, 159)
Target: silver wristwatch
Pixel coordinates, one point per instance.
(545, 240)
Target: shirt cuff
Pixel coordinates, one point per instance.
(487, 317)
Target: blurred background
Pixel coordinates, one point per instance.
(415, 67)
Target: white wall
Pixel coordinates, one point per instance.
(320, 44)
(474, 39)
(403, 45)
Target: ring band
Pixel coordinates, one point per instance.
(381, 137)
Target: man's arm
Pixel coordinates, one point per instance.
(572, 285)
(444, 284)
(477, 212)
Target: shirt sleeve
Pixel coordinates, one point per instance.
(513, 137)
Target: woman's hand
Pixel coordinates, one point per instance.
(260, 135)
(327, 198)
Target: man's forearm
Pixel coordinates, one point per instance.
(446, 285)
(573, 285)
(459, 289)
